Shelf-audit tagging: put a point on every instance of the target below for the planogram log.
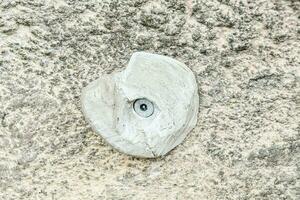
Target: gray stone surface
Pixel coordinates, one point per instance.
(246, 144)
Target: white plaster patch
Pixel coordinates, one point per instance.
(159, 83)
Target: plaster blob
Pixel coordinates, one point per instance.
(145, 110)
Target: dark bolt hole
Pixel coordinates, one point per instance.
(143, 107)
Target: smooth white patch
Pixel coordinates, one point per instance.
(145, 110)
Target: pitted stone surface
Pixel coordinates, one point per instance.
(246, 58)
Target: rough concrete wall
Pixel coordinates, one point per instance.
(246, 55)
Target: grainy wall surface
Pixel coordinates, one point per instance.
(245, 54)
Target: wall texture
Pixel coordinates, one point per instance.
(245, 54)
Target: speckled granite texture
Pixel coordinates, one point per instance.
(245, 54)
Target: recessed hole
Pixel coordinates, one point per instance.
(143, 107)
